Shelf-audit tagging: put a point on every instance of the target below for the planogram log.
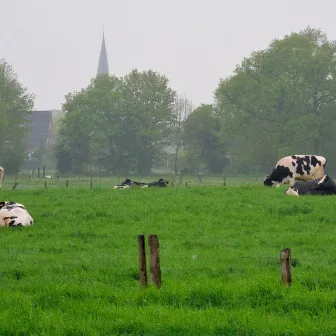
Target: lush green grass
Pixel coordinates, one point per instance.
(75, 272)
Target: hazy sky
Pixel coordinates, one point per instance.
(54, 45)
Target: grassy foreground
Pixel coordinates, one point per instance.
(75, 272)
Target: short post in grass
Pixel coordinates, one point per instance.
(224, 179)
(181, 179)
(154, 260)
(67, 183)
(142, 261)
(45, 184)
(286, 267)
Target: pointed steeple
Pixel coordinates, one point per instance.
(103, 63)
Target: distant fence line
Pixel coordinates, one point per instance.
(47, 179)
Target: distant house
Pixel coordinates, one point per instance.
(41, 128)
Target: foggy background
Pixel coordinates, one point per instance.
(54, 46)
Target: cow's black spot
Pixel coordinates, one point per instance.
(303, 165)
(293, 157)
(293, 163)
(314, 161)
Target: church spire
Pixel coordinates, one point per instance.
(103, 63)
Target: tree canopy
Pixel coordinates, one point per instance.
(281, 101)
(15, 105)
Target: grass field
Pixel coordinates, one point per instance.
(75, 272)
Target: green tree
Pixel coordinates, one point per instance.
(279, 100)
(202, 141)
(148, 106)
(15, 105)
(117, 124)
(88, 131)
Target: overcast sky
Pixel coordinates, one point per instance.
(54, 45)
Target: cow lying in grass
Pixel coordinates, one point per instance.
(1, 176)
(14, 214)
(296, 168)
(321, 186)
(161, 183)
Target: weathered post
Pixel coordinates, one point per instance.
(181, 179)
(45, 184)
(142, 261)
(91, 185)
(224, 179)
(67, 183)
(286, 267)
(154, 260)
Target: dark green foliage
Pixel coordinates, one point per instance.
(15, 104)
(281, 101)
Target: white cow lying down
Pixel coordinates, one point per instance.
(14, 214)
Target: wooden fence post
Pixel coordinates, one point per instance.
(67, 183)
(142, 261)
(286, 267)
(224, 179)
(14, 186)
(91, 185)
(45, 184)
(181, 179)
(154, 260)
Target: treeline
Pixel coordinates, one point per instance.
(279, 101)
(126, 125)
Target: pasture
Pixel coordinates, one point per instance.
(75, 272)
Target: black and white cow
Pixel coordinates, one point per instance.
(129, 184)
(2, 171)
(321, 186)
(161, 183)
(14, 214)
(296, 168)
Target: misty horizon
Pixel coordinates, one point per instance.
(54, 47)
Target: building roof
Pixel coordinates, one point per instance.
(103, 67)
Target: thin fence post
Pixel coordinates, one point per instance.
(224, 179)
(154, 260)
(67, 183)
(45, 184)
(286, 267)
(91, 185)
(15, 185)
(142, 261)
(181, 179)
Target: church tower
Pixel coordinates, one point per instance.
(103, 63)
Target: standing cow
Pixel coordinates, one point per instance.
(296, 167)
(1, 176)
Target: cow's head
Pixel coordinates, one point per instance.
(278, 176)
